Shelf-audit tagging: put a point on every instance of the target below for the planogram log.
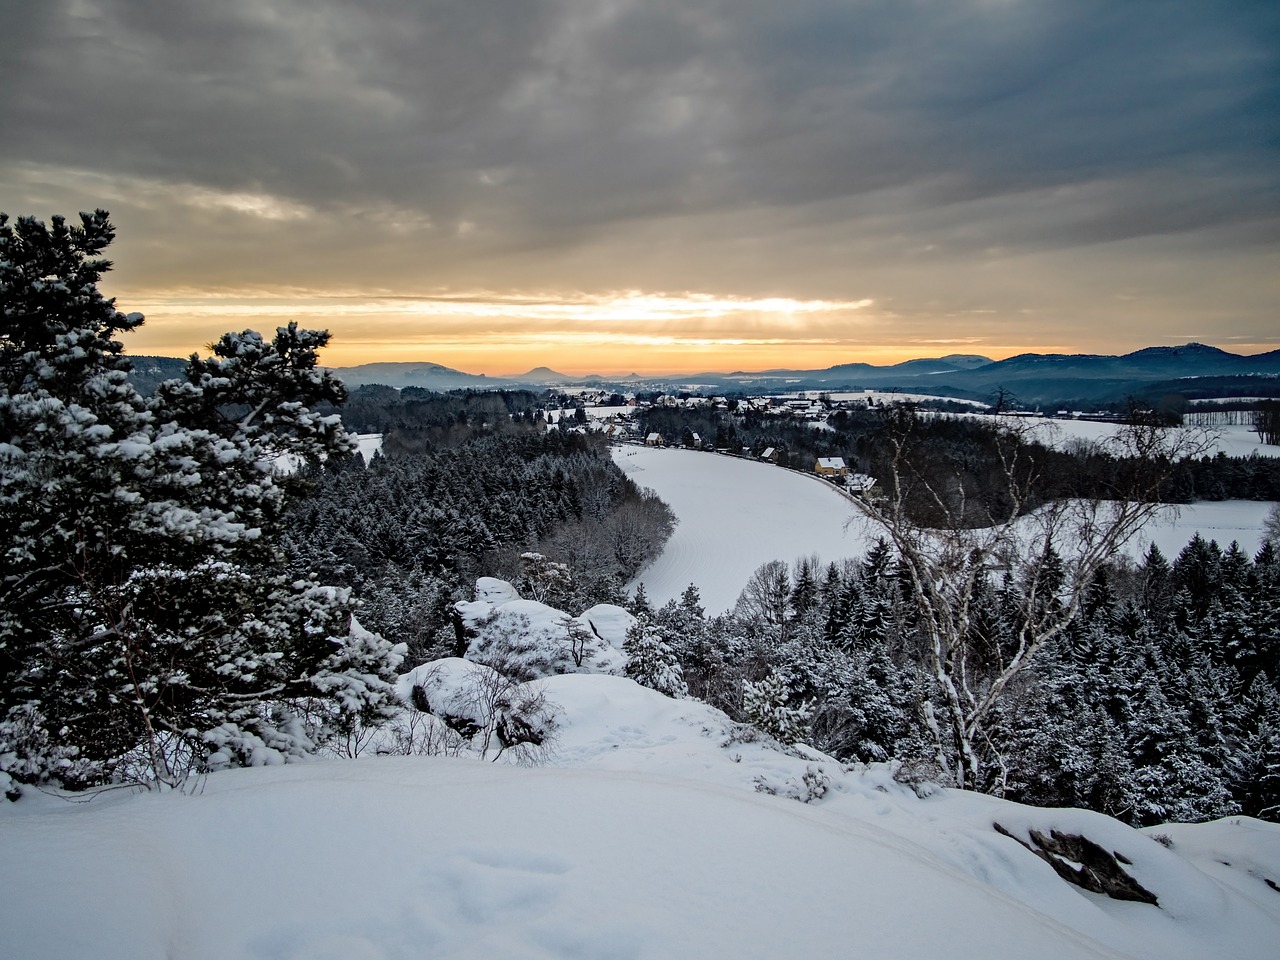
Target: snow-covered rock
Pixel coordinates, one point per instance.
(528, 639)
(495, 591)
(608, 622)
(446, 688)
(484, 712)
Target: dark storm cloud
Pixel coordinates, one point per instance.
(533, 137)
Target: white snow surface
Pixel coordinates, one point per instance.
(1224, 521)
(646, 836)
(369, 444)
(608, 622)
(493, 591)
(1234, 440)
(735, 514)
(538, 637)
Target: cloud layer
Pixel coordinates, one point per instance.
(1057, 174)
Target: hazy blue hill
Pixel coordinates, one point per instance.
(545, 375)
(149, 372)
(934, 366)
(431, 376)
(1198, 351)
(966, 361)
(850, 368)
(1032, 378)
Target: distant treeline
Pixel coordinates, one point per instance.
(958, 450)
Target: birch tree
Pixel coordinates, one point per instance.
(953, 523)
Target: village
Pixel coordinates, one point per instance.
(599, 411)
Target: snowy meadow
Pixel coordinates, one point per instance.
(736, 514)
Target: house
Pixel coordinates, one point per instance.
(860, 483)
(654, 440)
(831, 467)
(771, 454)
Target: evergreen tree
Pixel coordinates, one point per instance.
(640, 605)
(146, 628)
(804, 587)
(651, 662)
(1157, 586)
(1254, 767)
(764, 706)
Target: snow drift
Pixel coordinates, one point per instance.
(658, 828)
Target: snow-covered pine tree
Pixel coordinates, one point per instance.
(651, 662)
(145, 629)
(764, 706)
(640, 605)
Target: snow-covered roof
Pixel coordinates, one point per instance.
(832, 463)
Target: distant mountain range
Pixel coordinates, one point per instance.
(1192, 370)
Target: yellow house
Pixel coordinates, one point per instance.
(831, 467)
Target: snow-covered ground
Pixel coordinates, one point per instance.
(1233, 440)
(736, 514)
(658, 830)
(367, 444)
(1225, 521)
(567, 414)
(370, 443)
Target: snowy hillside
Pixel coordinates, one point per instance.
(1226, 521)
(370, 443)
(736, 514)
(659, 829)
(1234, 440)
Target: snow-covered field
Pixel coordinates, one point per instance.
(1225, 521)
(883, 396)
(736, 514)
(651, 834)
(367, 444)
(1234, 440)
(370, 443)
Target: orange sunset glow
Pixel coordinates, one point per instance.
(662, 190)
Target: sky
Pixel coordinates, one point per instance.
(661, 186)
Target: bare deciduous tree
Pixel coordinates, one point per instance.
(951, 527)
(767, 598)
(1271, 526)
